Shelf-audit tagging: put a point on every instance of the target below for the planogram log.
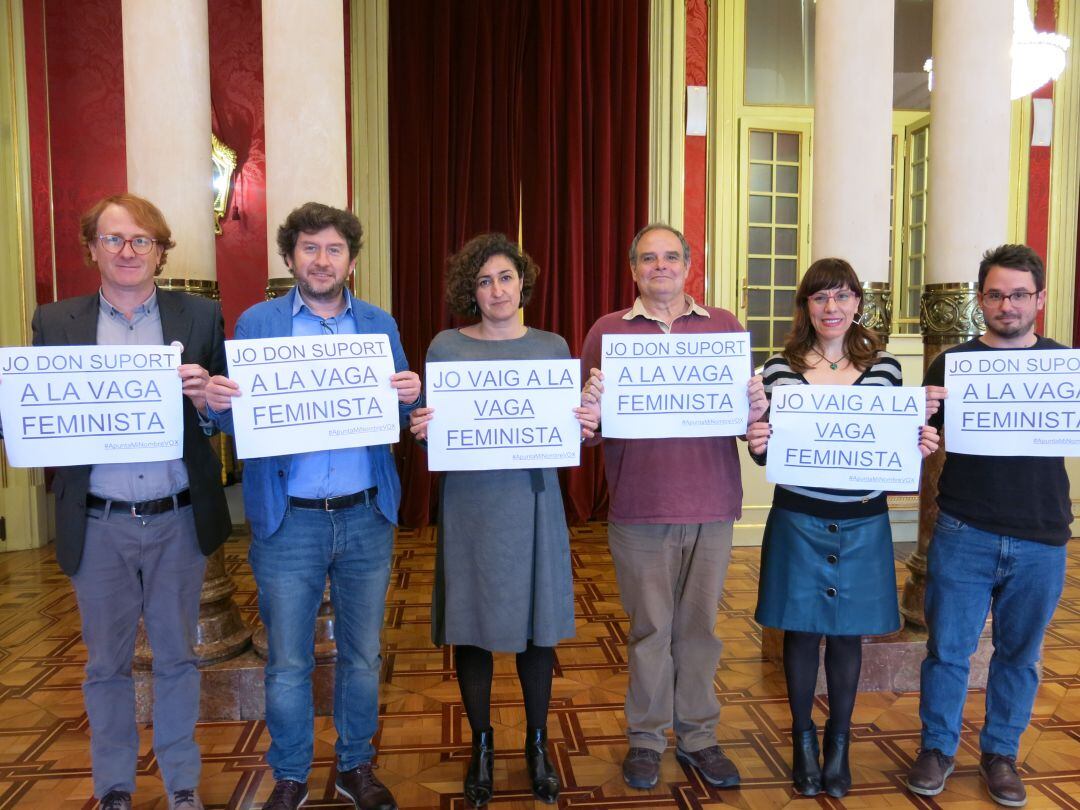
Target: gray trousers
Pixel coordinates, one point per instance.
(671, 578)
(152, 567)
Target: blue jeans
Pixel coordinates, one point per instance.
(970, 573)
(353, 546)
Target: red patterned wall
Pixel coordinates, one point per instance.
(695, 175)
(85, 134)
(236, 94)
(38, 115)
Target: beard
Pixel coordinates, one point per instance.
(1014, 326)
(331, 293)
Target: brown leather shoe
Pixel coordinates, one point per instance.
(929, 772)
(714, 767)
(641, 768)
(1002, 780)
(287, 795)
(364, 788)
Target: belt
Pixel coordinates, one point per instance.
(366, 497)
(141, 508)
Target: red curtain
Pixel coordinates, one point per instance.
(585, 177)
(455, 101)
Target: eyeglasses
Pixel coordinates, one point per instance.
(115, 243)
(822, 299)
(996, 298)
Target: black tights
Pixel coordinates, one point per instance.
(474, 669)
(843, 660)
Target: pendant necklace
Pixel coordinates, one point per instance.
(833, 364)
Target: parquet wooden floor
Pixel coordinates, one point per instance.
(44, 750)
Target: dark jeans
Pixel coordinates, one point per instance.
(970, 573)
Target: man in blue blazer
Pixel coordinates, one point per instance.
(323, 513)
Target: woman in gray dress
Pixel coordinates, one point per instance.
(502, 570)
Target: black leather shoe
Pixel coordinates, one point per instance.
(805, 770)
(288, 794)
(835, 771)
(545, 781)
(480, 779)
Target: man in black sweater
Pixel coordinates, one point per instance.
(998, 546)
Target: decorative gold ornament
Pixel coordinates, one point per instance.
(278, 286)
(223, 161)
(877, 307)
(196, 286)
(950, 313)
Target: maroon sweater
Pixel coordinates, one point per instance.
(668, 480)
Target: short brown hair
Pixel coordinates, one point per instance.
(1014, 257)
(462, 267)
(312, 217)
(860, 344)
(146, 215)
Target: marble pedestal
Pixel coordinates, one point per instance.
(890, 663)
(233, 690)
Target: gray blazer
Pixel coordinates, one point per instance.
(198, 325)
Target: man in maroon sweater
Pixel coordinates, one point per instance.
(673, 505)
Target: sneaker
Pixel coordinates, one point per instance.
(288, 795)
(713, 765)
(185, 800)
(929, 772)
(1002, 780)
(641, 768)
(116, 800)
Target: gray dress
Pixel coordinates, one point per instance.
(502, 568)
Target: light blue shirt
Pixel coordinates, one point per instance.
(328, 473)
(134, 480)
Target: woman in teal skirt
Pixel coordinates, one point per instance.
(826, 560)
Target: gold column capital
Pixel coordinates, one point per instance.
(950, 313)
(196, 286)
(877, 307)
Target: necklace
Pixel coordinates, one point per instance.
(833, 364)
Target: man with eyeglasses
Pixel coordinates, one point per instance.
(998, 547)
(133, 536)
(673, 507)
(317, 514)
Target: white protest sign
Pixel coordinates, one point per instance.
(846, 437)
(1013, 403)
(663, 386)
(66, 405)
(303, 394)
(503, 415)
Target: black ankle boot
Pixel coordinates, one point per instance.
(545, 781)
(805, 770)
(835, 773)
(481, 775)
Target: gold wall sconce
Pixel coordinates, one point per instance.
(223, 159)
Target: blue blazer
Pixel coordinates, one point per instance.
(266, 480)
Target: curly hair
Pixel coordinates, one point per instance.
(146, 215)
(462, 267)
(860, 344)
(312, 217)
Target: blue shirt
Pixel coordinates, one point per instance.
(328, 473)
(134, 480)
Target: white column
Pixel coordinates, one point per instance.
(853, 78)
(969, 136)
(304, 91)
(167, 123)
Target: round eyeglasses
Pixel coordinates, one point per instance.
(114, 243)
